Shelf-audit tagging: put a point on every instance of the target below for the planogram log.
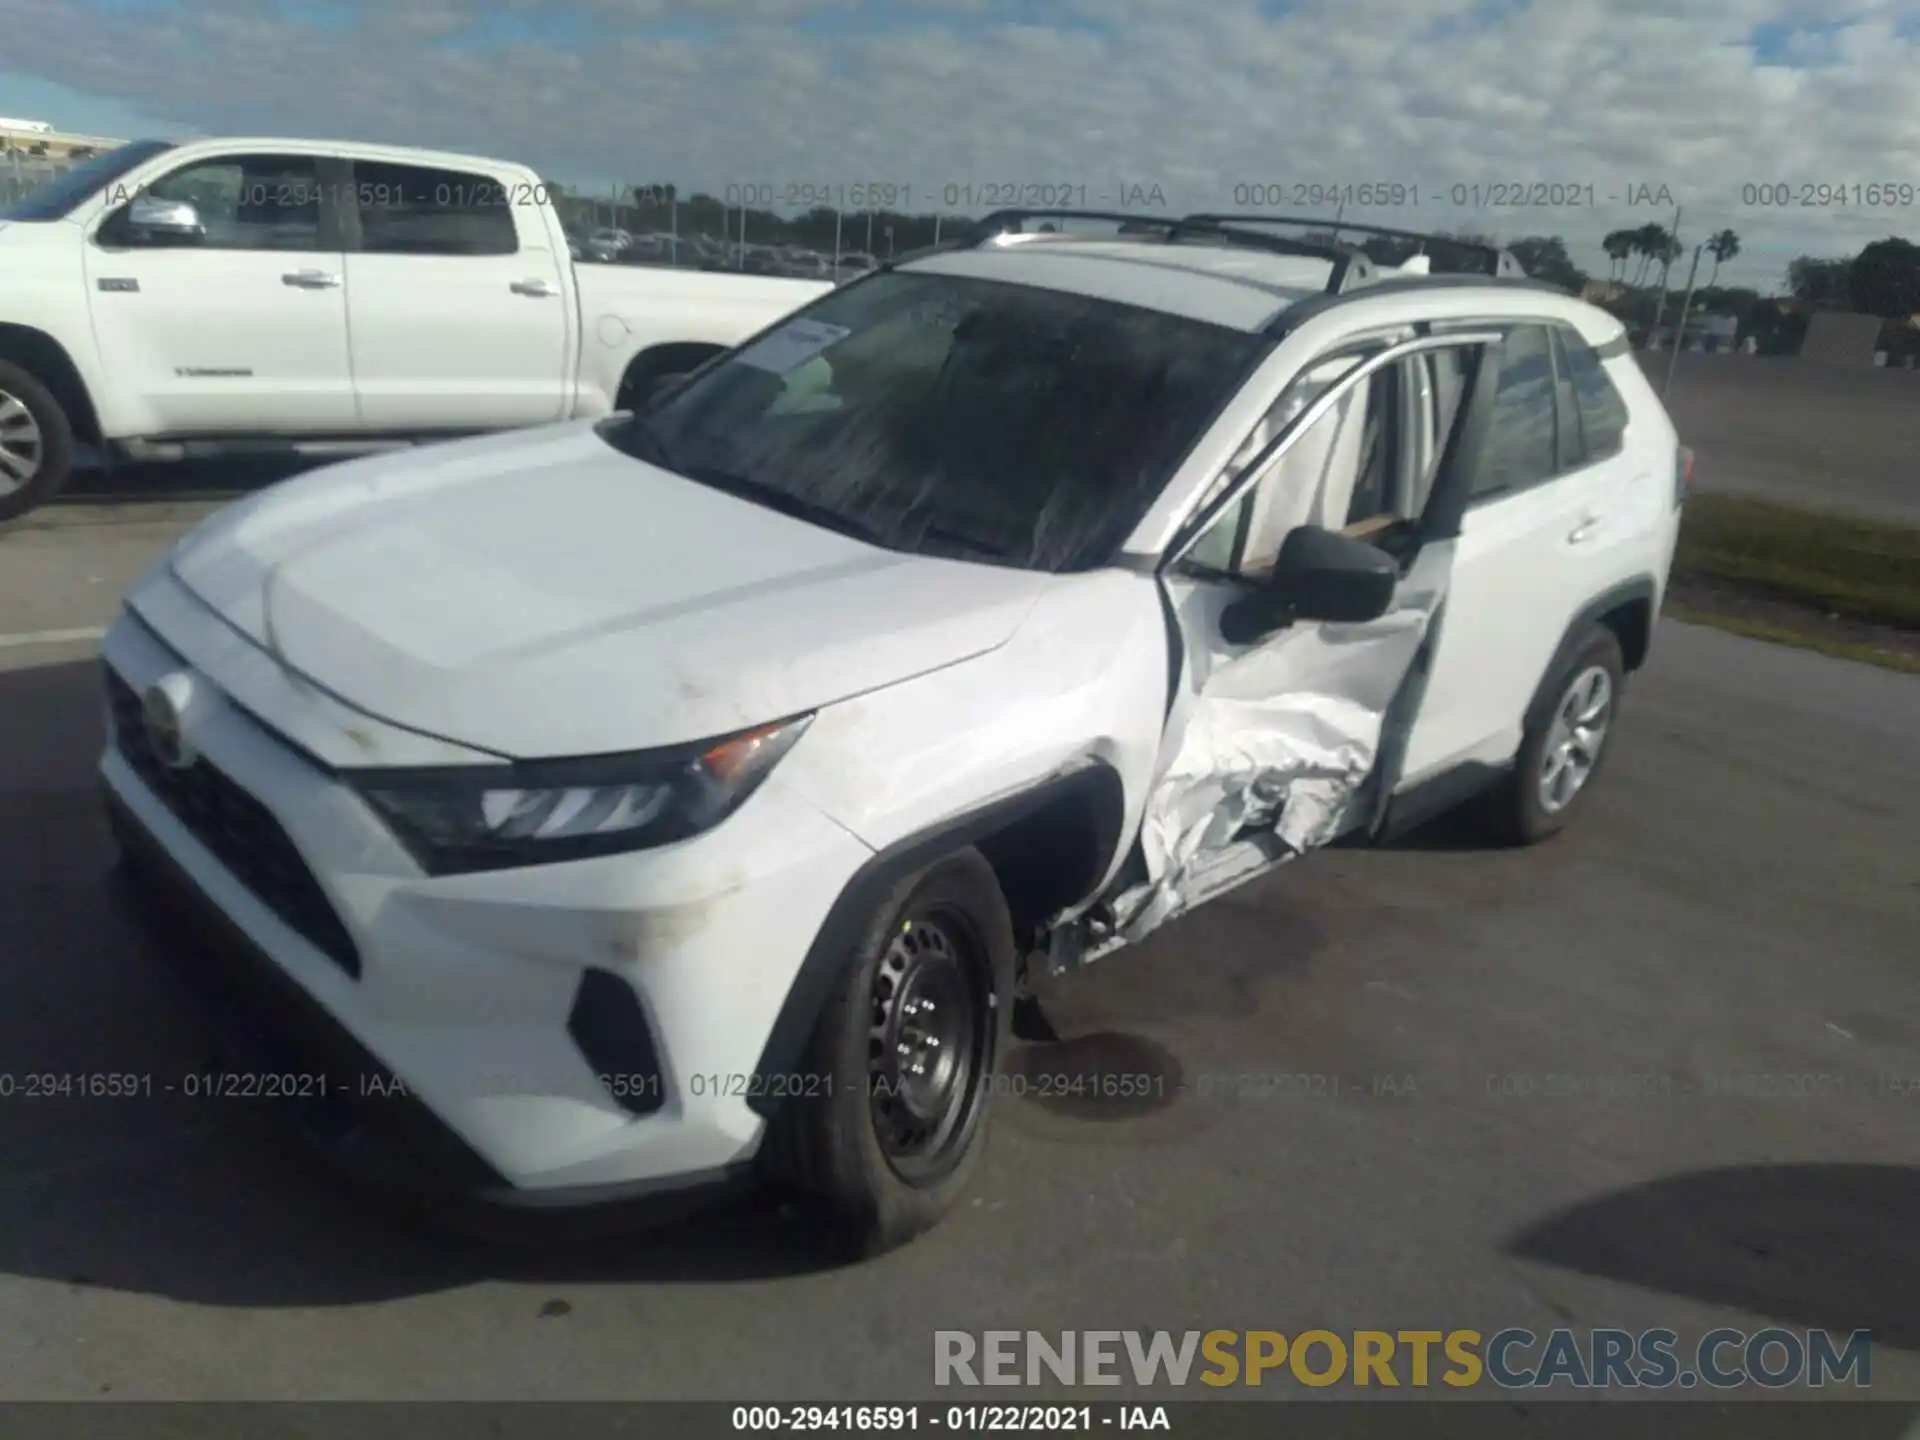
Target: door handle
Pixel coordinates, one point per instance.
(540, 289)
(1584, 531)
(310, 280)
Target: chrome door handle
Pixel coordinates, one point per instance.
(536, 288)
(310, 280)
(1584, 531)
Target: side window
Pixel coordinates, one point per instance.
(1343, 460)
(413, 210)
(1603, 414)
(1377, 487)
(1566, 409)
(1435, 383)
(1520, 448)
(245, 202)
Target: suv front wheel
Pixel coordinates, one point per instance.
(904, 1055)
(1564, 742)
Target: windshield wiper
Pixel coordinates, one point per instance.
(774, 498)
(959, 540)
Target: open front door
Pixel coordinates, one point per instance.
(1279, 742)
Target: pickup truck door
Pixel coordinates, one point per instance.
(459, 301)
(240, 328)
(1280, 743)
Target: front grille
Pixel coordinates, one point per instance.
(238, 829)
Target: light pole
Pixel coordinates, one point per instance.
(1666, 268)
(1680, 330)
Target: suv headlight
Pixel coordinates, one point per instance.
(455, 820)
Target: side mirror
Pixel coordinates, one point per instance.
(1318, 575)
(154, 220)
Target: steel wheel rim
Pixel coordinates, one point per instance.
(928, 1044)
(22, 447)
(1575, 738)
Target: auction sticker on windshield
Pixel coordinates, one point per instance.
(792, 345)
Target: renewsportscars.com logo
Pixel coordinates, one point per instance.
(1513, 1359)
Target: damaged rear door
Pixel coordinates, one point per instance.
(1282, 730)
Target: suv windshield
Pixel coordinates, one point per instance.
(959, 417)
(55, 199)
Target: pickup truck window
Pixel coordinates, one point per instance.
(60, 196)
(245, 202)
(413, 210)
(959, 417)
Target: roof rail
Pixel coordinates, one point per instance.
(1013, 222)
(1499, 261)
(1353, 267)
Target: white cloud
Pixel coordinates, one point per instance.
(1193, 97)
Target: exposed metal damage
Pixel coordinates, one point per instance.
(1256, 764)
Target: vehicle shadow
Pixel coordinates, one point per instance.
(206, 1200)
(1811, 1245)
(93, 486)
(1456, 831)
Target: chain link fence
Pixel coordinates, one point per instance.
(664, 225)
(21, 172)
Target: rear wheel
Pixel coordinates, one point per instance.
(905, 1053)
(1564, 744)
(36, 443)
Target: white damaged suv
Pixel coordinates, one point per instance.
(630, 808)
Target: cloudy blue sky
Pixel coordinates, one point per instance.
(1195, 96)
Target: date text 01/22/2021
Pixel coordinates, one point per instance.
(952, 196)
(956, 1419)
(467, 194)
(1459, 195)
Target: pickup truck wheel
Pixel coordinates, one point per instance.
(36, 443)
(1565, 740)
(905, 1051)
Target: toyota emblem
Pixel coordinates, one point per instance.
(162, 708)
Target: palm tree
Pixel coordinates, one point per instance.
(1723, 247)
(1650, 243)
(1619, 247)
(1670, 250)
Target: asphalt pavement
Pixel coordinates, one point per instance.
(1799, 432)
(1664, 1071)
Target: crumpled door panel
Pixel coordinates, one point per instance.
(1274, 742)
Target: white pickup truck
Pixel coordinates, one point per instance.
(161, 301)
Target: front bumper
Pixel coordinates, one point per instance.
(341, 1100)
(475, 1030)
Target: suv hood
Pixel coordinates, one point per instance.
(542, 595)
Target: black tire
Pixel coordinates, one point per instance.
(1516, 811)
(834, 1148)
(55, 448)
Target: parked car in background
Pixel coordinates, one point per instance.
(608, 243)
(799, 261)
(853, 264)
(161, 300)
